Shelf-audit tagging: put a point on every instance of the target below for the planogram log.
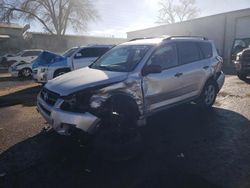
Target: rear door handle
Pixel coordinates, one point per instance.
(205, 67)
(178, 74)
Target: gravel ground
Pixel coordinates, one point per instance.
(183, 147)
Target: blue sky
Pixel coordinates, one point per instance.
(119, 16)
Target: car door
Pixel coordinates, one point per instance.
(193, 69)
(161, 89)
(86, 56)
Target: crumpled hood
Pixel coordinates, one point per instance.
(82, 79)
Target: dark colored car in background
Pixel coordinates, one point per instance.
(242, 63)
(239, 45)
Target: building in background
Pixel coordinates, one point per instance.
(223, 28)
(14, 38)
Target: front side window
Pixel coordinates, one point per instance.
(122, 58)
(188, 52)
(165, 56)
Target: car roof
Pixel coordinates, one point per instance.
(157, 40)
(94, 46)
(40, 50)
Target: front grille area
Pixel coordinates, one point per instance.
(34, 71)
(44, 109)
(49, 97)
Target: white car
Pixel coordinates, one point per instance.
(21, 69)
(4, 58)
(25, 56)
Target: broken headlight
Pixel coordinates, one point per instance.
(44, 69)
(78, 102)
(238, 57)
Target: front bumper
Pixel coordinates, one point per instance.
(38, 76)
(64, 122)
(220, 80)
(242, 67)
(14, 73)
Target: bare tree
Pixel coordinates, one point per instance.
(172, 11)
(56, 16)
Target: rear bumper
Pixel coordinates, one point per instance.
(63, 122)
(220, 80)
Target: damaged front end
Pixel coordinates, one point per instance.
(84, 110)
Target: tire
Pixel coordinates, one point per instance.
(118, 138)
(25, 73)
(242, 76)
(208, 95)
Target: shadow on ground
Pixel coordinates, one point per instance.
(26, 97)
(13, 79)
(183, 147)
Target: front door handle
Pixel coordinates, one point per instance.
(178, 74)
(205, 67)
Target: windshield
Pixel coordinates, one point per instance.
(122, 58)
(46, 58)
(69, 52)
(240, 44)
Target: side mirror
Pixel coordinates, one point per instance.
(151, 69)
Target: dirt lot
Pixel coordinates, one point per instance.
(183, 147)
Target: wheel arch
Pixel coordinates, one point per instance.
(65, 69)
(128, 99)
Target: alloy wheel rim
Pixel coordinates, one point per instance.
(26, 72)
(209, 95)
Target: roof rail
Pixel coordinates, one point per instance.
(180, 36)
(141, 38)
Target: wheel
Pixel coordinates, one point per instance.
(26, 72)
(208, 95)
(118, 138)
(242, 76)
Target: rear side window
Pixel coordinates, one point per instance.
(92, 52)
(206, 49)
(188, 52)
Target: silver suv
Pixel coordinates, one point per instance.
(133, 81)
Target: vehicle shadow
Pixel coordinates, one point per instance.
(26, 97)
(183, 147)
(247, 80)
(13, 79)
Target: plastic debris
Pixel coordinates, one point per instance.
(87, 170)
(181, 155)
(2, 174)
